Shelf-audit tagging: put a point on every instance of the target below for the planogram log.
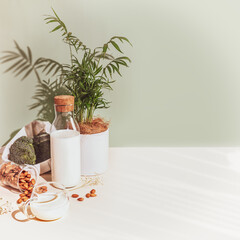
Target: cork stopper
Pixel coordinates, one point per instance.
(64, 103)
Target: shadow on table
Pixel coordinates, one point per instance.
(15, 216)
(19, 216)
(178, 191)
(13, 190)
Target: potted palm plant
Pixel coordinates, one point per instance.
(88, 74)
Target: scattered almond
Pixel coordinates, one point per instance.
(42, 189)
(75, 195)
(80, 199)
(93, 191)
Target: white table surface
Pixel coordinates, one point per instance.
(149, 193)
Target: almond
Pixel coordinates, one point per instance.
(75, 195)
(93, 191)
(25, 199)
(33, 181)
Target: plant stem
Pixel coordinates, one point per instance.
(81, 115)
(90, 112)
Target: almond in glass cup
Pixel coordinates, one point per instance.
(50, 201)
(21, 177)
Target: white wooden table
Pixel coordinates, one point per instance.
(149, 193)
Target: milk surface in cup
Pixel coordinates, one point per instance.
(50, 206)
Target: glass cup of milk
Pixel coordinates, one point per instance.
(50, 201)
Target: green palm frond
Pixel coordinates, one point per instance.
(67, 36)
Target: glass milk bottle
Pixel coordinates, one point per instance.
(65, 143)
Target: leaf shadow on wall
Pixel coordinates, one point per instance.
(22, 64)
(44, 98)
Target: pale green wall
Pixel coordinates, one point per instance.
(183, 86)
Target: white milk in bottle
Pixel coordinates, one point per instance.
(65, 143)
